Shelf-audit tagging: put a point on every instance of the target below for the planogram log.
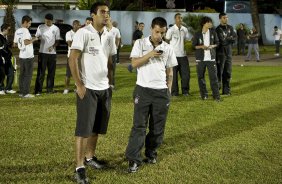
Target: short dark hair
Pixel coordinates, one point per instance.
(275, 27)
(141, 23)
(95, 6)
(49, 16)
(5, 26)
(75, 22)
(159, 21)
(205, 20)
(89, 18)
(26, 18)
(221, 15)
(176, 15)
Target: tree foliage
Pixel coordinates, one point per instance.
(192, 23)
(9, 17)
(86, 4)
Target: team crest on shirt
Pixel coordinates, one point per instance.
(92, 50)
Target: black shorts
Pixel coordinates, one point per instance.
(68, 71)
(93, 112)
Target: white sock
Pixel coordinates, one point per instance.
(79, 168)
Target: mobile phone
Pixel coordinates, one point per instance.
(160, 51)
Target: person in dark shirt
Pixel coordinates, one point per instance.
(6, 66)
(138, 33)
(205, 42)
(253, 44)
(227, 37)
(241, 39)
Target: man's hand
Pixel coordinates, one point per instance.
(50, 49)
(154, 53)
(81, 90)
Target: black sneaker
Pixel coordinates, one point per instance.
(95, 163)
(150, 160)
(80, 176)
(132, 167)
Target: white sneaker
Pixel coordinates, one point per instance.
(66, 91)
(10, 91)
(28, 96)
(21, 95)
(276, 54)
(2, 92)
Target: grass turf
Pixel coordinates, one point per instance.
(236, 141)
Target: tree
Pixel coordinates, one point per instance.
(86, 4)
(9, 17)
(192, 23)
(255, 16)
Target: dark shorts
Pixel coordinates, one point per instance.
(93, 112)
(68, 71)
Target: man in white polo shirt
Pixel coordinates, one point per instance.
(277, 33)
(154, 60)
(177, 35)
(91, 67)
(49, 35)
(115, 34)
(69, 38)
(24, 41)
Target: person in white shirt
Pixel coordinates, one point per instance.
(205, 42)
(24, 42)
(115, 34)
(91, 67)
(176, 36)
(277, 33)
(49, 35)
(69, 37)
(154, 60)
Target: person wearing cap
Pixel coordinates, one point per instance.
(49, 36)
(92, 49)
(277, 33)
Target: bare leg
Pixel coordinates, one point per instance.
(80, 148)
(91, 146)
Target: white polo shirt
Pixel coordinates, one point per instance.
(177, 37)
(48, 35)
(69, 37)
(207, 53)
(96, 51)
(114, 33)
(26, 51)
(277, 34)
(153, 74)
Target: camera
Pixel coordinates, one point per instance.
(160, 51)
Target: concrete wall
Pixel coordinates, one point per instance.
(126, 20)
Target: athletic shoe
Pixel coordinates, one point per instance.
(276, 54)
(2, 92)
(132, 167)
(80, 176)
(10, 91)
(28, 96)
(150, 160)
(66, 91)
(94, 163)
(38, 94)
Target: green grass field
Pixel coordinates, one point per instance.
(236, 141)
